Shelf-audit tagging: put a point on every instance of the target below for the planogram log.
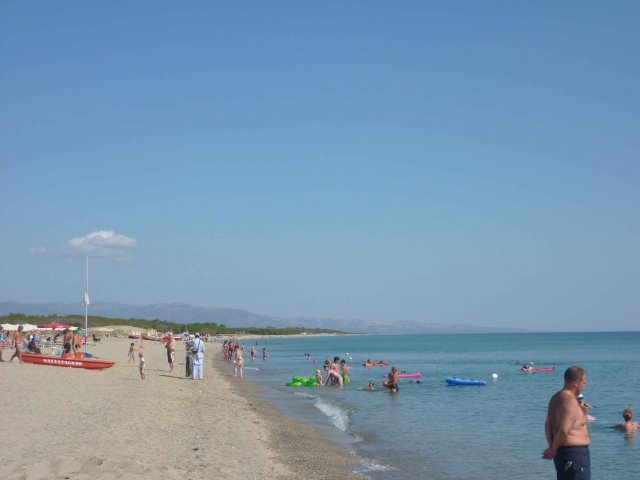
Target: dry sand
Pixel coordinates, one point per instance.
(69, 423)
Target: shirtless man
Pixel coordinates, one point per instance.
(17, 339)
(566, 429)
(334, 373)
(171, 351)
(67, 339)
(77, 342)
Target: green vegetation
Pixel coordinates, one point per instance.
(160, 325)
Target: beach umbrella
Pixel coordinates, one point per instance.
(55, 326)
(9, 327)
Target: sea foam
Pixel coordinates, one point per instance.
(338, 414)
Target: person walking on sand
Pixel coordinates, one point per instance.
(239, 365)
(197, 357)
(171, 351)
(1, 342)
(141, 365)
(188, 360)
(566, 429)
(17, 341)
(132, 349)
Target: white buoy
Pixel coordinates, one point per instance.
(494, 376)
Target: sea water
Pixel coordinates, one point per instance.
(433, 431)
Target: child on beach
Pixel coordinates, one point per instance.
(131, 354)
(141, 358)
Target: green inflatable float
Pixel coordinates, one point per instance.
(302, 382)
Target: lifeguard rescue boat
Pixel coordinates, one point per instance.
(67, 360)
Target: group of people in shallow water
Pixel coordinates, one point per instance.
(232, 351)
(338, 374)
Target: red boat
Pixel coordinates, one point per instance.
(67, 360)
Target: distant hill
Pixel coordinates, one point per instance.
(234, 317)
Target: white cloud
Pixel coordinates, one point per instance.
(103, 243)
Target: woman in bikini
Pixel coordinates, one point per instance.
(239, 361)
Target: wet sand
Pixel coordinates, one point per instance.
(68, 423)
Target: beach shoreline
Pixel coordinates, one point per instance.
(78, 424)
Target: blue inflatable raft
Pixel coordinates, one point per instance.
(464, 381)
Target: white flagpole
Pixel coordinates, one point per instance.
(86, 308)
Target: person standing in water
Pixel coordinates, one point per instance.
(239, 365)
(393, 380)
(566, 429)
(629, 426)
(345, 371)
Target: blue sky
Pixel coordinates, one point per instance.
(446, 162)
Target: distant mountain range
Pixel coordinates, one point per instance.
(234, 317)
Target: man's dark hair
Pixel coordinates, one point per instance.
(573, 374)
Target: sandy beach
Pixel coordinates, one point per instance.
(68, 423)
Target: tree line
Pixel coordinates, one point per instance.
(160, 325)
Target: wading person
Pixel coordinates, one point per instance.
(566, 429)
